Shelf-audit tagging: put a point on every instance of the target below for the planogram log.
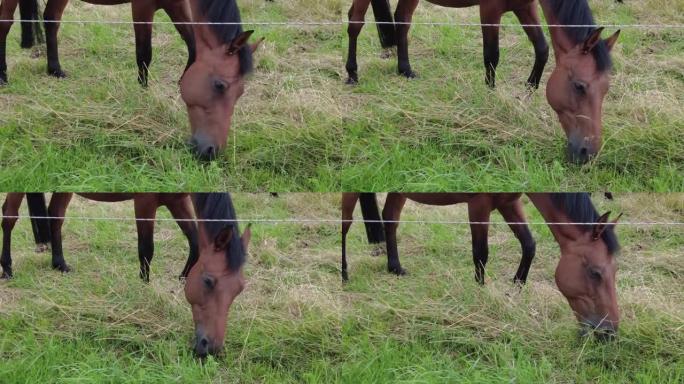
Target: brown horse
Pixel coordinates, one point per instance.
(215, 81)
(146, 205)
(143, 12)
(490, 13)
(585, 274)
(217, 278)
(480, 206)
(578, 83)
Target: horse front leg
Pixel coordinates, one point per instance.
(57, 209)
(51, 17)
(357, 14)
(179, 12)
(402, 17)
(528, 16)
(490, 41)
(143, 13)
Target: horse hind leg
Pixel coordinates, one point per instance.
(7, 8)
(9, 208)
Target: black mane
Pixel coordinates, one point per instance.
(227, 11)
(219, 206)
(579, 209)
(577, 12)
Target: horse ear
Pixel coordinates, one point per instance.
(238, 42)
(246, 236)
(591, 40)
(600, 226)
(223, 238)
(253, 47)
(610, 42)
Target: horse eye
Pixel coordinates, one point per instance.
(220, 86)
(580, 87)
(595, 275)
(209, 282)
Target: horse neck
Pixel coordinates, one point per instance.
(562, 233)
(559, 41)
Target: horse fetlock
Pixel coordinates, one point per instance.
(6, 274)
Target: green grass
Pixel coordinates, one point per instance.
(296, 322)
(299, 128)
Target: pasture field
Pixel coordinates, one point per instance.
(300, 128)
(296, 321)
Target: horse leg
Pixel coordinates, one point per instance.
(390, 216)
(490, 14)
(52, 15)
(58, 206)
(145, 209)
(348, 205)
(9, 208)
(179, 12)
(357, 13)
(143, 39)
(479, 211)
(514, 213)
(181, 209)
(529, 16)
(7, 8)
(403, 16)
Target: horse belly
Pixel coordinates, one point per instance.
(455, 3)
(107, 197)
(439, 198)
(106, 2)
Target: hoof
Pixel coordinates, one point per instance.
(62, 268)
(409, 74)
(345, 276)
(58, 73)
(3, 80)
(352, 81)
(5, 275)
(399, 271)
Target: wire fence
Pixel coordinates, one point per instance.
(336, 221)
(347, 22)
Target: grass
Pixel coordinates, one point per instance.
(296, 322)
(299, 128)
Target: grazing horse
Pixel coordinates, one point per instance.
(146, 205)
(480, 206)
(586, 271)
(215, 81)
(217, 278)
(143, 12)
(579, 81)
(490, 13)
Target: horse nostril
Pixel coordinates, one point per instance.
(204, 342)
(583, 151)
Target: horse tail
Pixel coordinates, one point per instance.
(31, 29)
(383, 15)
(41, 225)
(371, 216)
